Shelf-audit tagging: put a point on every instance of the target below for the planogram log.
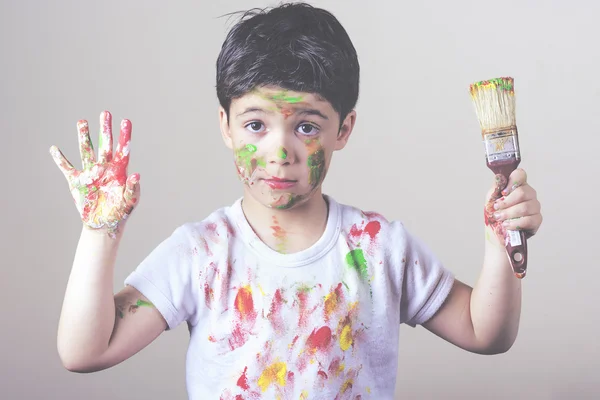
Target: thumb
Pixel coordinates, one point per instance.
(132, 190)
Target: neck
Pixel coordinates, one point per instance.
(287, 231)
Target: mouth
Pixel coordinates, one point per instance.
(279, 183)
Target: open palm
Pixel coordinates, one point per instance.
(103, 193)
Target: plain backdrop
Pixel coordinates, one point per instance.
(415, 155)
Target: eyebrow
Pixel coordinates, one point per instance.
(301, 111)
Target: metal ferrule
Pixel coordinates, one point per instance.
(502, 145)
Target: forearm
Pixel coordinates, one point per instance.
(495, 303)
(88, 312)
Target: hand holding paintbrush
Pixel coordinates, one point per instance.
(494, 102)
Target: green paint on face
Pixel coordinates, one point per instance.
(283, 97)
(142, 303)
(316, 163)
(290, 203)
(282, 153)
(356, 259)
(246, 160)
(246, 151)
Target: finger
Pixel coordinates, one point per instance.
(132, 191)
(519, 195)
(516, 179)
(529, 223)
(86, 149)
(63, 164)
(105, 142)
(122, 152)
(526, 208)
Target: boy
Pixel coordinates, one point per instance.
(287, 294)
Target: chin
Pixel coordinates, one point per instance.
(284, 200)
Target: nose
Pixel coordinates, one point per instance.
(281, 151)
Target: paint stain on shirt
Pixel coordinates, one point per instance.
(274, 374)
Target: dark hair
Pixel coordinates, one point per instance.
(294, 46)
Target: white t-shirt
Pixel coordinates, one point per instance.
(322, 323)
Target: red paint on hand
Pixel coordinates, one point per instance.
(103, 194)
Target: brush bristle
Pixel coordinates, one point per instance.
(494, 101)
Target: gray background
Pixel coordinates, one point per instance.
(415, 155)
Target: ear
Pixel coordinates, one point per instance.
(225, 130)
(345, 130)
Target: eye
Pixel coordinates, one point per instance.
(255, 127)
(308, 129)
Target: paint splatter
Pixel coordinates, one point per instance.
(131, 308)
(356, 259)
(347, 385)
(283, 153)
(316, 161)
(365, 236)
(243, 380)
(346, 340)
(287, 201)
(304, 311)
(489, 210)
(209, 295)
(215, 285)
(504, 84)
(319, 340)
(246, 315)
(373, 228)
(333, 301)
(274, 374)
(280, 236)
(244, 304)
(102, 192)
(247, 162)
(274, 315)
(283, 97)
(336, 367)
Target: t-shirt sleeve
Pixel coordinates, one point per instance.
(426, 282)
(165, 277)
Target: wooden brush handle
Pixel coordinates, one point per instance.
(517, 253)
(518, 256)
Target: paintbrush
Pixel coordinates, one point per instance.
(494, 101)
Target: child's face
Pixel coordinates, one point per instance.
(282, 143)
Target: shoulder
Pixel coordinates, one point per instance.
(215, 230)
(356, 221)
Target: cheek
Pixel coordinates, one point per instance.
(316, 166)
(248, 161)
(315, 162)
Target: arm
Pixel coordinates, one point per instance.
(97, 329)
(485, 319)
(89, 336)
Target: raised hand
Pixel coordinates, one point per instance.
(514, 208)
(104, 195)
